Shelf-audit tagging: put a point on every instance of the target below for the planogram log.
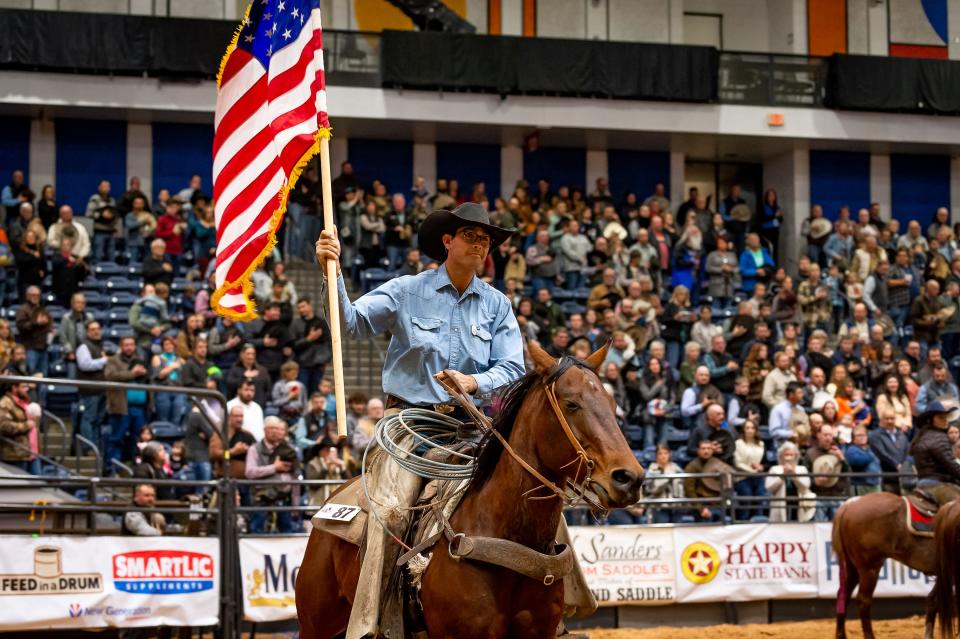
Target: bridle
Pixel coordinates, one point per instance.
(576, 490)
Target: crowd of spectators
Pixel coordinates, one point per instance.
(722, 360)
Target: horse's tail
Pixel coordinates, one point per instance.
(946, 539)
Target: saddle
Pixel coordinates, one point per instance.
(923, 504)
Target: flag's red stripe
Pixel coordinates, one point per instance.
(293, 76)
(257, 226)
(242, 159)
(247, 197)
(242, 109)
(294, 150)
(237, 60)
(249, 253)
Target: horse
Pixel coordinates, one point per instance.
(504, 500)
(866, 531)
(947, 539)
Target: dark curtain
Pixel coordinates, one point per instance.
(95, 43)
(907, 85)
(506, 66)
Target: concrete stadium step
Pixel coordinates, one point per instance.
(85, 465)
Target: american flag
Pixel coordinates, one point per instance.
(271, 113)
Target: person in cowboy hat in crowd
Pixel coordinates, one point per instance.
(441, 319)
(938, 469)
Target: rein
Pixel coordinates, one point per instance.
(577, 490)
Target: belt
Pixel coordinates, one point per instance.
(453, 410)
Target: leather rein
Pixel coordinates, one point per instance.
(577, 490)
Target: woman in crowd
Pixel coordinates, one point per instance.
(658, 400)
(31, 264)
(756, 368)
(691, 361)
(686, 257)
(7, 344)
(789, 487)
(893, 396)
(748, 458)
(658, 487)
(884, 365)
(909, 382)
(166, 365)
(862, 460)
(47, 207)
(676, 319)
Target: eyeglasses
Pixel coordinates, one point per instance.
(472, 237)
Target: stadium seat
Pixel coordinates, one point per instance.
(179, 285)
(677, 435)
(561, 294)
(105, 270)
(167, 430)
(93, 284)
(121, 298)
(61, 398)
(95, 299)
(572, 307)
(116, 331)
(119, 283)
(374, 277)
(118, 314)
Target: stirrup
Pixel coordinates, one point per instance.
(563, 633)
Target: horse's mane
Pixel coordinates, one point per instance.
(511, 399)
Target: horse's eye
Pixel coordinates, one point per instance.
(571, 406)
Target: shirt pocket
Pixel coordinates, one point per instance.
(480, 344)
(425, 333)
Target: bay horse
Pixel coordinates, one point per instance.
(947, 538)
(867, 531)
(471, 600)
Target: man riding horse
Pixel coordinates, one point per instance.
(938, 469)
(443, 319)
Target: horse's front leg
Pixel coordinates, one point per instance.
(460, 600)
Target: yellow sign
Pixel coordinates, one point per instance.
(700, 562)
(256, 598)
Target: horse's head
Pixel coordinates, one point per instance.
(590, 413)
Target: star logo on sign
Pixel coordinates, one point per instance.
(287, 35)
(700, 562)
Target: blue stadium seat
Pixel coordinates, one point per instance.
(374, 277)
(119, 283)
(581, 293)
(95, 299)
(58, 369)
(677, 435)
(179, 285)
(116, 331)
(118, 314)
(167, 430)
(572, 307)
(561, 294)
(61, 398)
(56, 312)
(121, 298)
(93, 284)
(108, 269)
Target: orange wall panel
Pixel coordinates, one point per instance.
(529, 18)
(826, 27)
(494, 17)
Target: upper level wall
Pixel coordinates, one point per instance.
(925, 28)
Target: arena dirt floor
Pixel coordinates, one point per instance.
(910, 628)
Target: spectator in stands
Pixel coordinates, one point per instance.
(713, 429)
(723, 270)
(830, 488)
(7, 344)
(171, 228)
(938, 387)
(248, 368)
(199, 432)
(34, 328)
(68, 273)
(225, 342)
(26, 220)
(925, 318)
(10, 197)
(125, 204)
(144, 522)
(238, 442)
(723, 368)
(66, 227)
(704, 487)
(289, 395)
(814, 298)
(775, 383)
(149, 318)
(91, 361)
(188, 336)
(657, 401)
(893, 396)
(20, 428)
(203, 234)
(30, 262)
(273, 458)
(789, 487)
(891, 446)
(574, 248)
(153, 459)
(196, 367)
(542, 263)
(18, 362)
(100, 199)
(314, 429)
(252, 410)
(73, 326)
(310, 340)
(106, 226)
(166, 371)
(366, 426)
(698, 398)
(157, 266)
(138, 224)
(756, 265)
(862, 460)
(126, 409)
(788, 420)
(326, 465)
(748, 458)
(657, 487)
(273, 341)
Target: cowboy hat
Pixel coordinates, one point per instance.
(827, 465)
(440, 223)
(942, 406)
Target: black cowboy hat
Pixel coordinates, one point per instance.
(440, 223)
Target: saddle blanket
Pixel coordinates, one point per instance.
(919, 522)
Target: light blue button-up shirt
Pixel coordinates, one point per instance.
(434, 328)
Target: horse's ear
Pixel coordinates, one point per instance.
(597, 357)
(542, 362)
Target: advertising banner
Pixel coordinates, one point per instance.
(627, 565)
(745, 562)
(95, 582)
(269, 566)
(896, 580)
